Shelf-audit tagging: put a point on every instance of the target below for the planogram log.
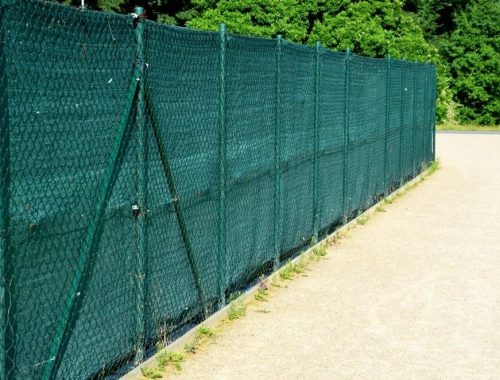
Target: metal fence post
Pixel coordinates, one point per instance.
(346, 134)
(423, 158)
(434, 99)
(141, 211)
(402, 92)
(222, 167)
(414, 166)
(316, 147)
(7, 325)
(387, 89)
(277, 155)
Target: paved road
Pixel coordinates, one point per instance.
(412, 294)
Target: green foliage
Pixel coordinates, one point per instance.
(372, 28)
(468, 127)
(174, 359)
(435, 17)
(473, 50)
(433, 167)
(375, 29)
(203, 334)
(300, 267)
(287, 273)
(362, 220)
(152, 372)
(320, 250)
(172, 12)
(261, 295)
(237, 307)
(263, 18)
(204, 331)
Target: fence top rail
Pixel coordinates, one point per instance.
(51, 8)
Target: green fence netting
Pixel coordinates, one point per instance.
(147, 172)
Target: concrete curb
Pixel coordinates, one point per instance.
(216, 318)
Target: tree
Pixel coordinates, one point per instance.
(473, 50)
(377, 28)
(263, 18)
(435, 17)
(172, 12)
(372, 28)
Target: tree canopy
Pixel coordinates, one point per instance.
(473, 52)
(263, 18)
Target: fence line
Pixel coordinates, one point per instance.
(149, 172)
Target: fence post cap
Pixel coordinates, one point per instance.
(139, 10)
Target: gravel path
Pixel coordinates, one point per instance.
(412, 294)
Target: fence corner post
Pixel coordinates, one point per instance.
(316, 146)
(346, 135)
(141, 207)
(277, 156)
(222, 250)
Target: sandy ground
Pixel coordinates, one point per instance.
(412, 294)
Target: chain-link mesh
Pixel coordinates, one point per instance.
(147, 172)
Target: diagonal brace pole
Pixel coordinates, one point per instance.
(162, 149)
(86, 258)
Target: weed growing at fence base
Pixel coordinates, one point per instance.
(168, 358)
(203, 334)
(362, 220)
(287, 272)
(237, 308)
(435, 165)
(152, 372)
(320, 250)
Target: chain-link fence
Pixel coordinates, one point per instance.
(149, 171)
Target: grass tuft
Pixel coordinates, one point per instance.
(300, 267)
(152, 372)
(167, 358)
(287, 273)
(275, 283)
(205, 332)
(435, 165)
(362, 220)
(237, 307)
(320, 250)
(202, 335)
(261, 295)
